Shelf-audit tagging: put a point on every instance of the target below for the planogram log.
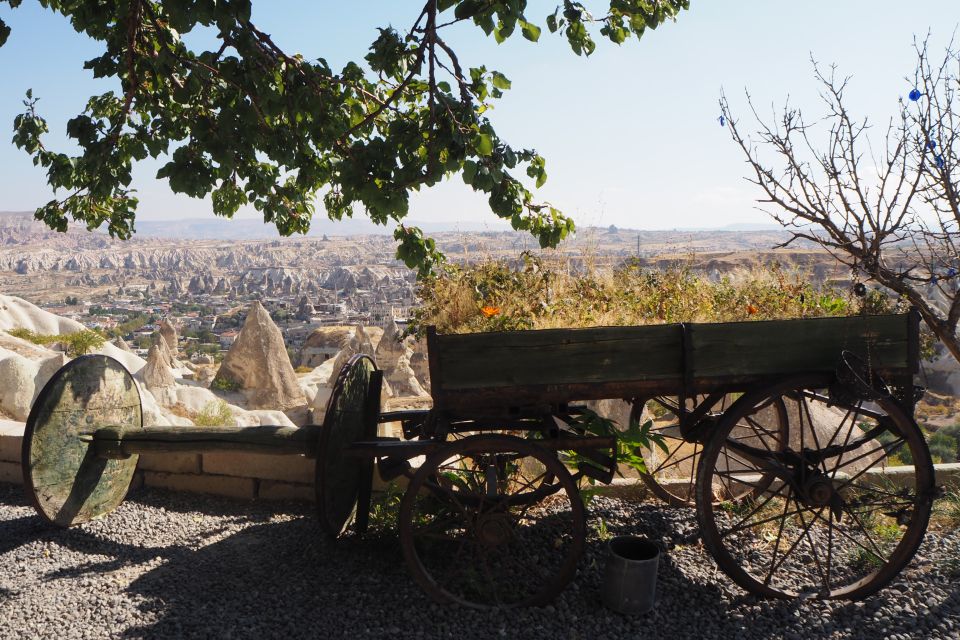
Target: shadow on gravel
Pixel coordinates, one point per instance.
(287, 580)
(217, 506)
(20, 531)
(251, 574)
(272, 580)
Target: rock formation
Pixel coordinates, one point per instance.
(169, 333)
(324, 343)
(359, 342)
(161, 343)
(157, 373)
(19, 385)
(258, 365)
(420, 363)
(120, 343)
(393, 356)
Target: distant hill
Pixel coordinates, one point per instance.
(214, 228)
(22, 223)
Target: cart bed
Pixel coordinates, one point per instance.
(518, 368)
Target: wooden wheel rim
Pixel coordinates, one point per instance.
(66, 482)
(340, 480)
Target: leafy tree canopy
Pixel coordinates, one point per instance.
(249, 123)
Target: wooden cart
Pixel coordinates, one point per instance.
(794, 439)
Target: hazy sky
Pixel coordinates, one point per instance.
(630, 135)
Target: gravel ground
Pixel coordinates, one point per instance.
(179, 566)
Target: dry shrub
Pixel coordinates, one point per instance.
(494, 296)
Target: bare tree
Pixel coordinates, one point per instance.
(890, 213)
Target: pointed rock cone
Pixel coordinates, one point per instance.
(120, 343)
(359, 342)
(393, 356)
(161, 343)
(157, 373)
(169, 334)
(258, 365)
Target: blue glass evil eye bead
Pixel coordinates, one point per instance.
(939, 160)
(722, 121)
(951, 272)
(914, 95)
(932, 145)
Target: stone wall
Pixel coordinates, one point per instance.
(234, 474)
(254, 476)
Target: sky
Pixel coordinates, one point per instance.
(631, 134)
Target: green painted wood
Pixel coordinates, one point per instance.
(113, 442)
(797, 346)
(69, 484)
(557, 365)
(558, 356)
(351, 416)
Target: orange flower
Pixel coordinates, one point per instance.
(751, 309)
(489, 311)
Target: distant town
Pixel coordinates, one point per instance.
(203, 286)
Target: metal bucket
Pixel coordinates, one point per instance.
(630, 574)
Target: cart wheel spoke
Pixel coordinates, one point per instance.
(831, 523)
(516, 509)
(674, 472)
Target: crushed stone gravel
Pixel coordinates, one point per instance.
(167, 565)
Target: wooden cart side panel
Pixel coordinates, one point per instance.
(795, 346)
(510, 360)
(558, 365)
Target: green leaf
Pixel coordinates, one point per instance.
(530, 31)
(500, 81)
(552, 23)
(467, 9)
(484, 144)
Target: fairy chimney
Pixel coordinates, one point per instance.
(157, 372)
(258, 365)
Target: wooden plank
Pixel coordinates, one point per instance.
(116, 443)
(557, 357)
(508, 369)
(795, 346)
(407, 449)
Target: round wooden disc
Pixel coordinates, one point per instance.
(68, 484)
(350, 416)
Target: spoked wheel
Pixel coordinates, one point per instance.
(672, 473)
(833, 523)
(492, 521)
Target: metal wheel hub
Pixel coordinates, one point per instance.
(818, 491)
(494, 529)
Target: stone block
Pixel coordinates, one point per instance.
(286, 468)
(11, 440)
(245, 488)
(170, 462)
(10, 472)
(273, 490)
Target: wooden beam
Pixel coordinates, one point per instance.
(115, 443)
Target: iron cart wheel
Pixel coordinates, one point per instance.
(832, 524)
(672, 473)
(492, 521)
